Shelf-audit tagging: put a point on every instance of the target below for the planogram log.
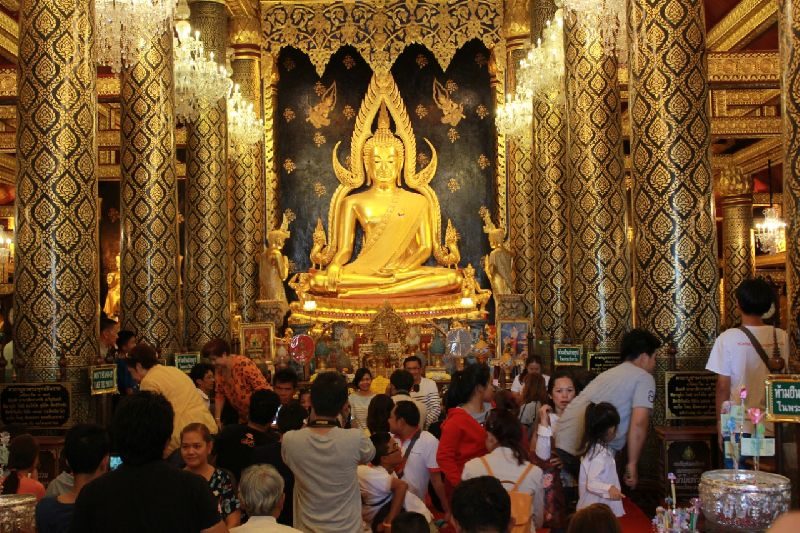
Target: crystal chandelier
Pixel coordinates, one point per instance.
(124, 26)
(771, 232)
(199, 79)
(541, 73)
(244, 127)
(608, 18)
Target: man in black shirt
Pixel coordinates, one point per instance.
(145, 493)
(243, 445)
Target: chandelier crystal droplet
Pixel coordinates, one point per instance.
(244, 127)
(124, 27)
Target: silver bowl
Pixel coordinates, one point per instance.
(743, 500)
(17, 513)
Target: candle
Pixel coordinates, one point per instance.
(671, 478)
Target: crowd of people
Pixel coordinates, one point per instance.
(341, 457)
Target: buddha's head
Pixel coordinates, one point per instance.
(276, 238)
(383, 152)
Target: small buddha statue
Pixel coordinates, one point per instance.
(398, 227)
(499, 264)
(111, 308)
(273, 266)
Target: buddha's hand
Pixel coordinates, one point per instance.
(333, 277)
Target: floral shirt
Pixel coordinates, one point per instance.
(223, 489)
(244, 379)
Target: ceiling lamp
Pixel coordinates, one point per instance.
(244, 127)
(541, 73)
(771, 231)
(124, 27)
(199, 79)
(607, 18)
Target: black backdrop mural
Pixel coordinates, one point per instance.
(453, 109)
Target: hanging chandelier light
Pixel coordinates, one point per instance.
(124, 26)
(244, 127)
(540, 73)
(199, 79)
(771, 231)
(607, 20)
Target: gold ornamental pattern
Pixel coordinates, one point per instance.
(57, 271)
(271, 180)
(738, 252)
(207, 284)
(790, 57)
(520, 206)
(247, 192)
(600, 266)
(551, 223)
(380, 31)
(149, 198)
(675, 257)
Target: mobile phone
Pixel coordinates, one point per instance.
(115, 461)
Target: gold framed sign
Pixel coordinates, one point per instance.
(103, 379)
(783, 398)
(36, 405)
(568, 354)
(690, 395)
(186, 361)
(257, 340)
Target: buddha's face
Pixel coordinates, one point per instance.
(386, 163)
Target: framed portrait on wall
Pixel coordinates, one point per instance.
(257, 340)
(512, 337)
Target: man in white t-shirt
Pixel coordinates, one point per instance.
(733, 357)
(419, 465)
(424, 390)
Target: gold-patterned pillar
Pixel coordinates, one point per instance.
(269, 76)
(149, 190)
(675, 237)
(247, 190)
(520, 186)
(738, 249)
(57, 264)
(207, 284)
(789, 23)
(601, 298)
(541, 11)
(551, 221)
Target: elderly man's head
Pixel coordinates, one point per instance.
(261, 491)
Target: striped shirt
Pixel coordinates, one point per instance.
(428, 395)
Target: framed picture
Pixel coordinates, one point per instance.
(257, 340)
(512, 338)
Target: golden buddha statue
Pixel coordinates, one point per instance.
(499, 264)
(398, 227)
(273, 266)
(399, 215)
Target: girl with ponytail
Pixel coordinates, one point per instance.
(23, 454)
(598, 481)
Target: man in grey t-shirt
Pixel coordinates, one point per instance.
(630, 388)
(324, 458)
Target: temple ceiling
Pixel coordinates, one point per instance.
(741, 38)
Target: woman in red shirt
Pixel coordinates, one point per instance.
(463, 436)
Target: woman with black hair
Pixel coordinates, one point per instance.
(23, 454)
(463, 436)
(507, 460)
(361, 396)
(598, 481)
(378, 414)
(533, 365)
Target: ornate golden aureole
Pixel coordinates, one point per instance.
(401, 226)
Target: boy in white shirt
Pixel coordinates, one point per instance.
(383, 494)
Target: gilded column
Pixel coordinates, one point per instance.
(149, 189)
(520, 166)
(789, 20)
(270, 102)
(551, 220)
(247, 215)
(738, 250)
(57, 264)
(600, 264)
(207, 284)
(675, 241)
